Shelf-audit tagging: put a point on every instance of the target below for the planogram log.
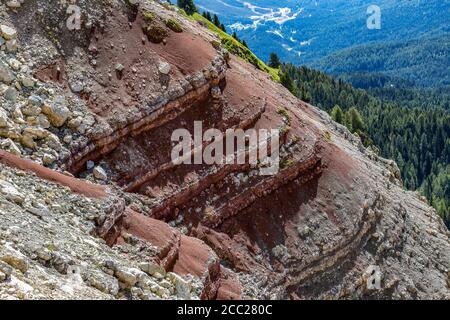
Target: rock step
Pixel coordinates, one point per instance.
(332, 257)
(231, 204)
(139, 181)
(202, 178)
(104, 142)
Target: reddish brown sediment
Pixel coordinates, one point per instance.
(76, 185)
(309, 230)
(182, 254)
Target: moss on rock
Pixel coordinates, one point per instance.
(174, 25)
(155, 33)
(148, 16)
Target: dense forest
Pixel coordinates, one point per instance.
(421, 62)
(416, 138)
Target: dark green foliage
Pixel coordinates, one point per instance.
(423, 62)
(187, 5)
(216, 21)
(418, 139)
(286, 81)
(274, 61)
(337, 114)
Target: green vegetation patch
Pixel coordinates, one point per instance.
(285, 114)
(174, 25)
(237, 48)
(148, 16)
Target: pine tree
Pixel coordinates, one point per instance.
(287, 82)
(274, 61)
(337, 114)
(222, 27)
(355, 120)
(188, 6)
(244, 44)
(216, 21)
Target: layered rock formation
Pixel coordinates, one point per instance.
(101, 101)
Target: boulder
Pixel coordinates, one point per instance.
(11, 193)
(10, 146)
(4, 119)
(182, 287)
(14, 4)
(6, 75)
(17, 261)
(128, 276)
(11, 94)
(100, 173)
(7, 32)
(164, 68)
(11, 45)
(56, 111)
(48, 159)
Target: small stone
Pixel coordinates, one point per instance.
(28, 82)
(77, 87)
(10, 146)
(6, 75)
(11, 94)
(44, 254)
(128, 276)
(90, 164)
(119, 67)
(13, 4)
(15, 64)
(5, 269)
(4, 119)
(11, 45)
(182, 287)
(2, 276)
(7, 32)
(35, 100)
(16, 261)
(153, 269)
(56, 111)
(164, 68)
(68, 139)
(11, 193)
(48, 159)
(31, 110)
(74, 123)
(28, 141)
(36, 132)
(100, 173)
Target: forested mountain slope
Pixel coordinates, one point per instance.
(417, 139)
(422, 62)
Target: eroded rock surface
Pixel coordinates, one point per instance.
(101, 103)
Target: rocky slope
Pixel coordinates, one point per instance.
(100, 103)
